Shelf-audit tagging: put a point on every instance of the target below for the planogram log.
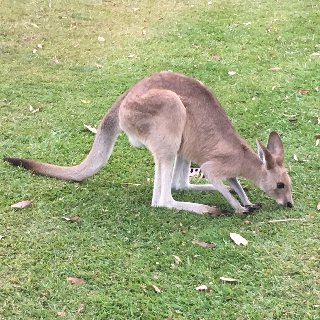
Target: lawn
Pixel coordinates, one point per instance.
(71, 60)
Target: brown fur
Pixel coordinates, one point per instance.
(179, 120)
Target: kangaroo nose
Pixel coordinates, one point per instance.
(289, 204)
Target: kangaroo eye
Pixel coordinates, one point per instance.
(280, 185)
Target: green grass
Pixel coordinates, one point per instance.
(120, 243)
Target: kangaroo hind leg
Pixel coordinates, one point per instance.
(158, 118)
(162, 196)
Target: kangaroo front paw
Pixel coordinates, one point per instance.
(244, 211)
(248, 209)
(253, 207)
(231, 190)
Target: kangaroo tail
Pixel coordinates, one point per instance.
(106, 136)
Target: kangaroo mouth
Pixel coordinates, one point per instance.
(288, 204)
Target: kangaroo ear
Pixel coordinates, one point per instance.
(260, 152)
(265, 155)
(275, 146)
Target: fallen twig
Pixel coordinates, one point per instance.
(286, 220)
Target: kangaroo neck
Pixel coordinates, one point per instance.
(252, 167)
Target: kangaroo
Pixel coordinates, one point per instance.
(179, 120)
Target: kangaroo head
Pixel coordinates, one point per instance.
(276, 181)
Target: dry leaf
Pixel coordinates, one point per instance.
(238, 318)
(238, 239)
(177, 258)
(74, 219)
(61, 313)
(272, 55)
(156, 289)
(229, 279)
(317, 136)
(279, 38)
(134, 56)
(275, 69)
(318, 206)
(223, 314)
(35, 110)
(216, 57)
(268, 29)
(202, 288)
(75, 280)
(101, 38)
(22, 204)
(94, 130)
(81, 308)
(195, 46)
(302, 91)
(203, 244)
(247, 222)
